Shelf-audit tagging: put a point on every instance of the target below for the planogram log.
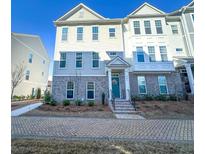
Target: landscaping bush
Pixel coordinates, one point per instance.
(38, 93)
(148, 97)
(66, 102)
(172, 97)
(53, 102)
(91, 103)
(78, 102)
(47, 97)
(161, 98)
(103, 98)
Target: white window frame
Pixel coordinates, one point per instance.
(163, 53)
(150, 27)
(28, 73)
(138, 27)
(139, 51)
(95, 33)
(141, 84)
(89, 90)
(81, 34)
(64, 36)
(163, 85)
(76, 60)
(151, 53)
(95, 59)
(30, 57)
(70, 89)
(179, 51)
(176, 29)
(61, 60)
(158, 25)
(112, 32)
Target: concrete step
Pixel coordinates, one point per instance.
(124, 108)
(125, 112)
(123, 103)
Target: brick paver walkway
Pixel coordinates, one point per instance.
(111, 129)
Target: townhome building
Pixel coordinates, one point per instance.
(29, 53)
(118, 57)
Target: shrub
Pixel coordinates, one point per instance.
(172, 97)
(47, 97)
(38, 93)
(66, 102)
(103, 98)
(53, 102)
(161, 98)
(148, 97)
(91, 103)
(78, 102)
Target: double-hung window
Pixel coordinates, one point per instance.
(30, 58)
(79, 59)
(136, 25)
(163, 53)
(162, 85)
(27, 75)
(142, 85)
(64, 34)
(95, 33)
(62, 60)
(90, 90)
(151, 51)
(70, 90)
(140, 54)
(174, 29)
(147, 26)
(112, 32)
(79, 33)
(95, 60)
(158, 25)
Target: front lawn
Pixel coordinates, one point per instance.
(96, 111)
(24, 146)
(166, 109)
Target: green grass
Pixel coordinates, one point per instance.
(31, 146)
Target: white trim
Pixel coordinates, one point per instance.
(144, 84)
(65, 61)
(95, 59)
(87, 90)
(70, 89)
(78, 68)
(79, 33)
(163, 84)
(31, 49)
(26, 81)
(64, 41)
(95, 33)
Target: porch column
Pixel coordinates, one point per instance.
(190, 77)
(127, 84)
(110, 83)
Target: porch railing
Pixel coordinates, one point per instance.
(132, 100)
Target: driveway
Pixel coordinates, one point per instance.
(103, 129)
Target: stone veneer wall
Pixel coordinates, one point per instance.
(60, 84)
(173, 81)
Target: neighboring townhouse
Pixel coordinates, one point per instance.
(185, 63)
(29, 51)
(118, 57)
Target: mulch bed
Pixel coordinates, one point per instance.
(168, 109)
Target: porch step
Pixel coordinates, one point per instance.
(124, 112)
(123, 107)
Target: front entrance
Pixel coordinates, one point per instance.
(116, 86)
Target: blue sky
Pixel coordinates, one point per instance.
(37, 16)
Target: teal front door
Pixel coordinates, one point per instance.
(116, 87)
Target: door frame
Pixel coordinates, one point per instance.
(118, 76)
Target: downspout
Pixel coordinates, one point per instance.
(123, 38)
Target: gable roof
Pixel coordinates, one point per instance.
(118, 61)
(33, 42)
(146, 5)
(77, 8)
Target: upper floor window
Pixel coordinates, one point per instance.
(142, 85)
(174, 29)
(151, 51)
(27, 75)
(163, 53)
(136, 25)
(162, 85)
(95, 59)
(140, 54)
(30, 58)
(79, 33)
(70, 90)
(64, 34)
(44, 61)
(62, 60)
(158, 25)
(95, 33)
(78, 60)
(112, 53)
(147, 26)
(178, 50)
(90, 90)
(112, 32)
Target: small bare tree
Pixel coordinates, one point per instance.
(17, 75)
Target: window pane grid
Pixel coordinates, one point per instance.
(80, 33)
(158, 25)
(174, 29)
(162, 84)
(142, 85)
(90, 90)
(95, 59)
(136, 27)
(151, 51)
(64, 33)
(62, 59)
(112, 32)
(163, 52)
(95, 33)
(70, 90)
